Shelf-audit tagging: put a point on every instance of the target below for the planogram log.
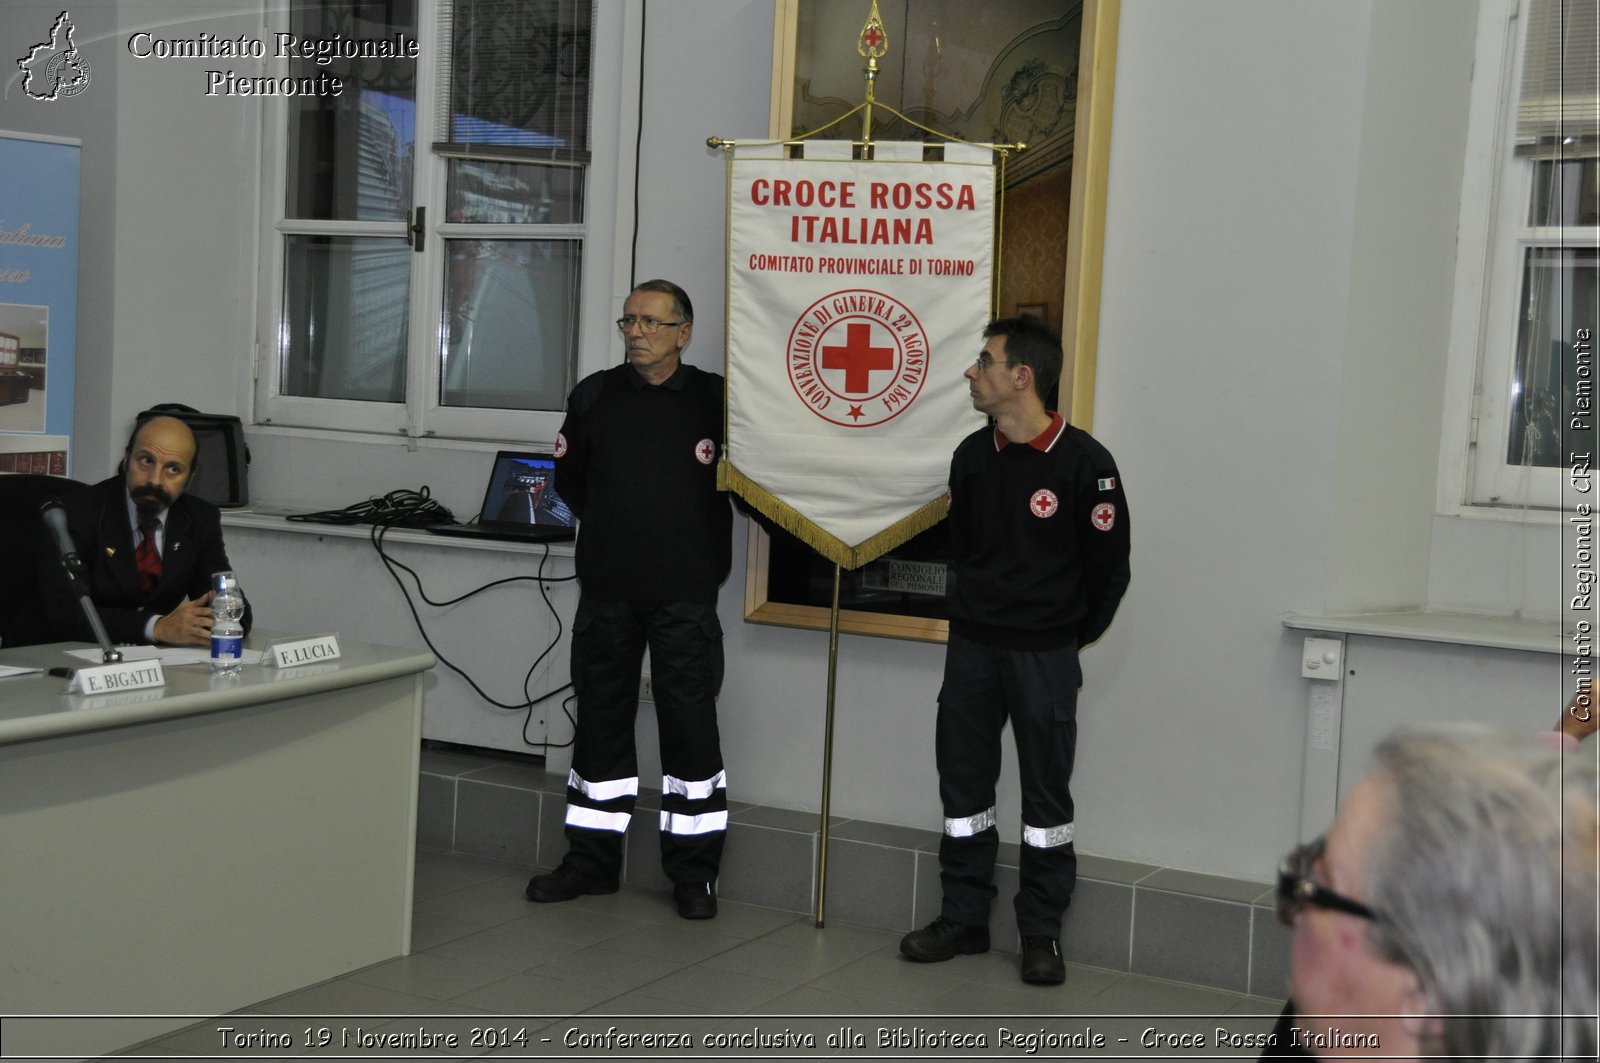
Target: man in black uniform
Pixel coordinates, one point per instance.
(636, 460)
(1039, 551)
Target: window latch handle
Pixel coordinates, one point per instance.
(416, 227)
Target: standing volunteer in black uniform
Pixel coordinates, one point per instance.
(1039, 557)
(636, 460)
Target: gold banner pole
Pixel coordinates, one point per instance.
(827, 749)
(872, 44)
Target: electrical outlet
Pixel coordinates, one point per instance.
(1321, 659)
(646, 691)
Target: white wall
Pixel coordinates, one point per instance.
(186, 217)
(1277, 266)
(1397, 315)
(1227, 273)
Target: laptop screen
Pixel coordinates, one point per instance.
(522, 491)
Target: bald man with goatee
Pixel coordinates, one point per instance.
(148, 547)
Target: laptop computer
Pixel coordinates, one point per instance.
(520, 503)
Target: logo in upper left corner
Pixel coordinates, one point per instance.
(55, 69)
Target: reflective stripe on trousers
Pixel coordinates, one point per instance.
(967, 826)
(1047, 837)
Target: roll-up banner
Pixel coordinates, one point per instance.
(38, 301)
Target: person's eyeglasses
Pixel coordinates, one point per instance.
(1297, 889)
(647, 325)
(983, 361)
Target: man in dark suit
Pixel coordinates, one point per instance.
(148, 549)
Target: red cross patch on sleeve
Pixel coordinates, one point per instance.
(1103, 516)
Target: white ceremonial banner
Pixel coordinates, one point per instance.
(857, 296)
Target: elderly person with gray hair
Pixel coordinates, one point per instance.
(1450, 911)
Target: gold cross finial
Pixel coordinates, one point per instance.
(873, 42)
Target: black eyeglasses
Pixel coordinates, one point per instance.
(647, 325)
(983, 361)
(1297, 889)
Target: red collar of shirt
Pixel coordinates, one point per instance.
(1043, 441)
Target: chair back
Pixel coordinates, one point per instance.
(22, 615)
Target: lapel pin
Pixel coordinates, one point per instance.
(111, 551)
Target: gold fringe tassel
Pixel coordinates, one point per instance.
(828, 545)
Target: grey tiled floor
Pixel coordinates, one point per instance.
(483, 958)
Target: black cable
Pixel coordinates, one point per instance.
(392, 564)
(638, 147)
(401, 508)
(405, 508)
(566, 710)
(529, 703)
(383, 529)
(528, 676)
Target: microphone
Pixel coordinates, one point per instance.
(55, 518)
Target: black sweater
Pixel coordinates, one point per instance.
(638, 464)
(1038, 539)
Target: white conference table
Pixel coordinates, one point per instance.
(191, 849)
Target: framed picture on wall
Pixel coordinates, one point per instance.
(1039, 71)
(900, 595)
(23, 337)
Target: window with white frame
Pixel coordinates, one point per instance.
(1533, 398)
(431, 245)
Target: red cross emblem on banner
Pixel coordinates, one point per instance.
(1044, 503)
(858, 358)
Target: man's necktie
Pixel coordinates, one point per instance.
(148, 560)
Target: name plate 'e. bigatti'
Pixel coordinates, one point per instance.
(113, 678)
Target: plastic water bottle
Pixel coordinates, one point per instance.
(227, 633)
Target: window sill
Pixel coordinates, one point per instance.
(400, 439)
(272, 518)
(1506, 514)
(1427, 625)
